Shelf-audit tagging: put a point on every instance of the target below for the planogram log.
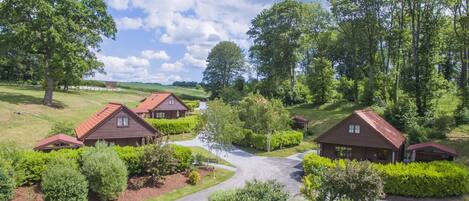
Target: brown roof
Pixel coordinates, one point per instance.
(299, 118)
(434, 145)
(382, 127)
(58, 138)
(100, 117)
(154, 100)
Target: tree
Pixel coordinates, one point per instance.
(57, 33)
(320, 80)
(220, 126)
(263, 116)
(225, 63)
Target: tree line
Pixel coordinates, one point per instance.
(370, 52)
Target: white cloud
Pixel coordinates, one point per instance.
(126, 23)
(118, 4)
(159, 55)
(172, 67)
(131, 69)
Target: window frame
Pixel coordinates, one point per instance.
(122, 122)
(354, 129)
(171, 100)
(343, 152)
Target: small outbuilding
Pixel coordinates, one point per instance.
(430, 151)
(300, 122)
(110, 84)
(162, 105)
(59, 141)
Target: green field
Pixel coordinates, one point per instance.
(24, 120)
(184, 93)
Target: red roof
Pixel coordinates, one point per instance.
(299, 118)
(381, 126)
(433, 145)
(84, 128)
(56, 139)
(153, 101)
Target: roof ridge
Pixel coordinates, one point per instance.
(371, 123)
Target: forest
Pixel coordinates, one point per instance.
(398, 55)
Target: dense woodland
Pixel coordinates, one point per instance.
(398, 55)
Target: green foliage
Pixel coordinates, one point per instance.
(93, 83)
(461, 115)
(220, 125)
(10, 156)
(289, 96)
(225, 63)
(402, 115)
(175, 126)
(65, 127)
(414, 179)
(63, 182)
(132, 157)
(320, 80)
(192, 105)
(278, 140)
(159, 161)
(194, 177)
(355, 181)
(7, 181)
(183, 156)
(254, 190)
(105, 171)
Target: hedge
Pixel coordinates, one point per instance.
(434, 179)
(279, 140)
(63, 182)
(175, 126)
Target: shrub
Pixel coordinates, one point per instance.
(65, 127)
(414, 179)
(279, 140)
(461, 116)
(132, 157)
(63, 182)
(105, 171)
(183, 156)
(7, 181)
(175, 126)
(253, 190)
(194, 177)
(11, 155)
(159, 161)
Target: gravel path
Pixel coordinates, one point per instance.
(287, 171)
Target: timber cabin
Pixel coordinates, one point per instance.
(161, 106)
(117, 124)
(59, 141)
(363, 135)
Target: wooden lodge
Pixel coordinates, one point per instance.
(161, 106)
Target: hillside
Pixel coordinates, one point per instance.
(24, 120)
(182, 92)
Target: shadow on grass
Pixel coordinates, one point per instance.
(17, 98)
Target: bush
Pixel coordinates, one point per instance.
(175, 126)
(132, 157)
(105, 171)
(355, 181)
(63, 182)
(159, 161)
(253, 190)
(65, 127)
(279, 140)
(402, 115)
(183, 156)
(7, 181)
(461, 116)
(414, 179)
(10, 154)
(194, 177)
(192, 105)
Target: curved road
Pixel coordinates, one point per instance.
(287, 171)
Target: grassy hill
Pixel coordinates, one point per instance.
(24, 120)
(182, 92)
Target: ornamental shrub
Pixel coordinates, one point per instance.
(183, 156)
(414, 179)
(194, 177)
(105, 171)
(64, 182)
(175, 126)
(159, 161)
(132, 157)
(253, 190)
(7, 180)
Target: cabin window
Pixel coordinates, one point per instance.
(122, 121)
(354, 129)
(160, 115)
(171, 101)
(343, 152)
(177, 113)
(382, 155)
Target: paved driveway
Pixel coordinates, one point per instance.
(287, 171)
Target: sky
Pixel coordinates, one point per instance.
(162, 41)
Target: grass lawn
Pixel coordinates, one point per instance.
(179, 137)
(304, 146)
(181, 92)
(209, 156)
(219, 176)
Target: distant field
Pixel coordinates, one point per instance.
(182, 92)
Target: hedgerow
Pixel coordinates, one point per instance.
(7, 181)
(434, 179)
(132, 157)
(278, 140)
(175, 126)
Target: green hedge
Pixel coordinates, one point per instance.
(434, 179)
(279, 140)
(183, 156)
(132, 157)
(175, 126)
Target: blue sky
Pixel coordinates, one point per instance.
(168, 40)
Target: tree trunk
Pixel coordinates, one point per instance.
(49, 82)
(464, 68)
